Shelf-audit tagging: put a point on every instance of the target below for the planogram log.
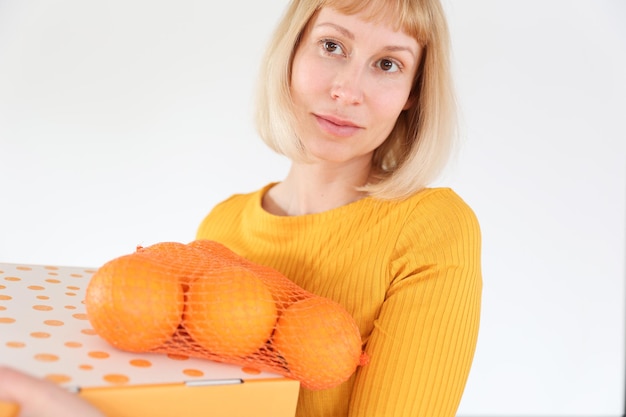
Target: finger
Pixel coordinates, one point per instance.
(40, 398)
(8, 409)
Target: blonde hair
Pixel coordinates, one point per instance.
(417, 149)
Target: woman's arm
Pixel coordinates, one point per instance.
(425, 336)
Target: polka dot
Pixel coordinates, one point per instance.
(193, 372)
(116, 379)
(96, 354)
(250, 371)
(53, 303)
(46, 357)
(58, 378)
(140, 363)
(53, 268)
(90, 271)
(24, 268)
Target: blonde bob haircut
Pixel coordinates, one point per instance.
(418, 147)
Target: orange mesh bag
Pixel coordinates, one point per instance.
(203, 300)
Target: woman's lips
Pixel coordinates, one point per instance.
(336, 126)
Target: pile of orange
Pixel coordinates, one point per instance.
(202, 299)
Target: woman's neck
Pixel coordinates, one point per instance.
(312, 188)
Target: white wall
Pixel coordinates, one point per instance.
(123, 122)
(543, 88)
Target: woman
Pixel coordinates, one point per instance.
(357, 94)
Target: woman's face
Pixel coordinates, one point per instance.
(350, 80)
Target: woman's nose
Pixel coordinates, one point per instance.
(347, 85)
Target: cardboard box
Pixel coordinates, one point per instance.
(44, 331)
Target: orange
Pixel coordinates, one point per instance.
(319, 341)
(134, 303)
(282, 288)
(216, 252)
(181, 260)
(229, 312)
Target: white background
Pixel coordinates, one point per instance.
(124, 122)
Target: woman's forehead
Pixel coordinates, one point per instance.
(402, 15)
(372, 32)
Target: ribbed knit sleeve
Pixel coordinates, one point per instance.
(424, 338)
(408, 272)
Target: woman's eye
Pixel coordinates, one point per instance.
(332, 47)
(388, 65)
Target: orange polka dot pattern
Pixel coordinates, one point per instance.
(44, 331)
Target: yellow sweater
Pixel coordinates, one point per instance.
(409, 273)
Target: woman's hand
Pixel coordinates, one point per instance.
(40, 398)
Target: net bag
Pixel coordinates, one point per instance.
(203, 300)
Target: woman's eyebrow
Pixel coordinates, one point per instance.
(341, 29)
(401, 48)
